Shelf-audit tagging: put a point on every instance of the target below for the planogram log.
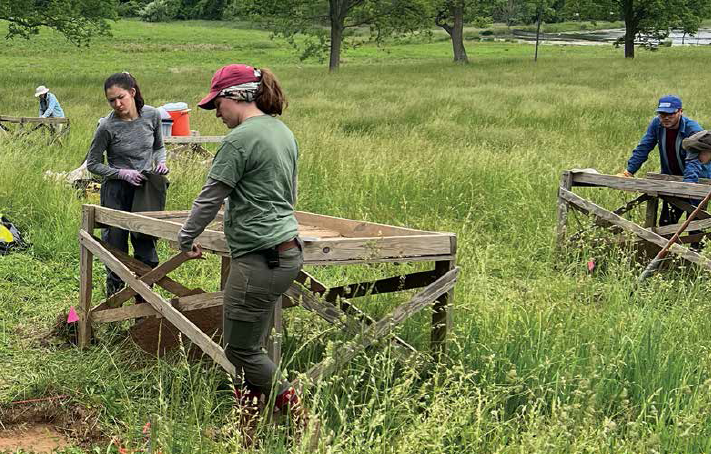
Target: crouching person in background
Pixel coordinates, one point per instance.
(698, 156)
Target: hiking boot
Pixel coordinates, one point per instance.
(288, 403)
(248, 403)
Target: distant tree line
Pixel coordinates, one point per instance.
(167, 10)
(323, 28)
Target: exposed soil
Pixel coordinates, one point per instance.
(61, 334)
(157, 335)
(34, 437)
(40, 425)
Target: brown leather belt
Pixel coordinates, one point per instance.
(286, 245)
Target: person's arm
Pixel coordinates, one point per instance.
(95, 157)
(692, 167)
(159, 153)
(51, 104)
(294, 178)
(204, 210)
(645, 145)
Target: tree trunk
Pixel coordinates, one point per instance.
(629, 41)
(334, 59)
(337, 11)
(457, 34)
(538, 34)
(630, 27)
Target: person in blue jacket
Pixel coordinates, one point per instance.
(666, 132)
(698, 156)
(49, 106)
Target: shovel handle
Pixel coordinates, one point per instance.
(654, 264)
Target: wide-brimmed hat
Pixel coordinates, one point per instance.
(225, 77)
(698, 142)
(41, 90)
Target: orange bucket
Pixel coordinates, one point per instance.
(181, 122)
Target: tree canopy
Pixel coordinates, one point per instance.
(326, 25)
(77, 20)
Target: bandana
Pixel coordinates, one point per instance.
(247, 92)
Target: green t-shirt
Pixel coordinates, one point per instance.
(258, 160)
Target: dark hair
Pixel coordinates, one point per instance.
(270, 98)
(126, 81)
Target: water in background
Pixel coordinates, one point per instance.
(703, 37)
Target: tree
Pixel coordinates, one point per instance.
(451, 15)
(649, 17)
(320, 26)
(77, 20)
(452, 11)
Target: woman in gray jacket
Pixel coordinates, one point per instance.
(133, 180)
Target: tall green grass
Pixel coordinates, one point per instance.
(545, 358)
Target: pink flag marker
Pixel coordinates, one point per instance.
(73, 317)
(591, 265)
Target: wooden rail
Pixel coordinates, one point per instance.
(192, 139)
(354, 242)
(669, 188)
(35, 120)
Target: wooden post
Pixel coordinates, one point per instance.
(566, 182)
(274, 339)
(442, 309)
(85, 279)
(651, 217)
(224, 271)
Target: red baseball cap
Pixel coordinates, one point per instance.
(225, 77)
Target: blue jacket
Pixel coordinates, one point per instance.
(694, 169)
(51, 107)
(656, 135)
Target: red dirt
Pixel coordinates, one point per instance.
(147, 332)
(36, 437)
(49, 422)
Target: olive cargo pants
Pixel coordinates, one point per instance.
(251, 293)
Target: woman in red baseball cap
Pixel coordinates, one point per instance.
(255, 170)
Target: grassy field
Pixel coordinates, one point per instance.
(545, 358)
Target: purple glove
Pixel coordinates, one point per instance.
(132, 176)
(161, 169)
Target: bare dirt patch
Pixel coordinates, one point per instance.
(34, 437)
(50, 423)
(158, 336)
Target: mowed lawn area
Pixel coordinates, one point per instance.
(545, 357)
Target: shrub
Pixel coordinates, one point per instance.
(160, 10)
(131, 8)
